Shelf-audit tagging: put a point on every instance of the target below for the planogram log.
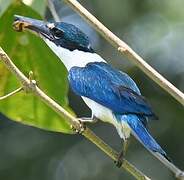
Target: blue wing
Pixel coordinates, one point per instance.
(110, 88)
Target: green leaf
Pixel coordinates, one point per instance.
(4, 4)
(29, 52)
(38, 6)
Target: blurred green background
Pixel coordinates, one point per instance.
(155, 30)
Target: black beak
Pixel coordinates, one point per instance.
(40, 27)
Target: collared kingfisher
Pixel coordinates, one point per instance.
(111, 95)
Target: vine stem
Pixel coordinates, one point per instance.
(11, 93)
(30, 85)
(124, 49)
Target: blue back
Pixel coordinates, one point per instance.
(110, 88)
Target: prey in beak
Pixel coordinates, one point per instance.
(20, 23)
(39, 27)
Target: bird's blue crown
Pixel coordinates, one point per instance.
(70, 37)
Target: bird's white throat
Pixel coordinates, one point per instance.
(75, 57)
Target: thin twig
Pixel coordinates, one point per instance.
(53, 10)
(124, 49)
(28, 85)
(11, 93)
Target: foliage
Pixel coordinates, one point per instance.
(31, 54)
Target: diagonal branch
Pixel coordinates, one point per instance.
(53, 10)
(124, 49)
(29, 85)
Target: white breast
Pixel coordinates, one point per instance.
(100, 111)
(75, 57)
(107, 115)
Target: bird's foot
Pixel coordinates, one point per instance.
(81, 128)
(119, 162)
(93, 119)
(121, 155)
(120, 159)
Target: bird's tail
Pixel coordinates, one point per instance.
(140, 132)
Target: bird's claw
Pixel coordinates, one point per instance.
(121, 155)
(81, 129)
(93, 119)
(119, 162)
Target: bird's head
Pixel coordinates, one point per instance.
(61, 34)
(68, 42)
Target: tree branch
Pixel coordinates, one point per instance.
(29, 85)
(124, 49)
(53, 10)
(11, 93)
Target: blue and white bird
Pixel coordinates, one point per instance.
(111, 95)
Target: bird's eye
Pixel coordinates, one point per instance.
(57, 33)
